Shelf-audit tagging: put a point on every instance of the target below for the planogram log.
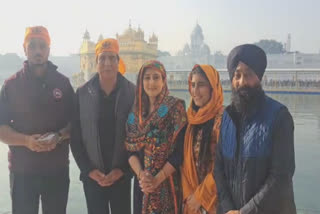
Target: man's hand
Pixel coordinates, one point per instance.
(49, 141)
(111, 178)
(96, 175)
(233, 212)
(193, 204)
(33, 143)
(49, 138)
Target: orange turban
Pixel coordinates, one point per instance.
(110, 45)
(107, 45)
(122, 67)
(36, 32)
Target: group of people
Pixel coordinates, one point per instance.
(205, 159)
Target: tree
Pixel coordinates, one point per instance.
(163, 53)
(271, 46)
(10, 62)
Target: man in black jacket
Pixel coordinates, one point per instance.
(98, 133)
(35, 112)
(255, 156)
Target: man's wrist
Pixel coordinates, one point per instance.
(139, 174)
(60, 137)
(26, 140)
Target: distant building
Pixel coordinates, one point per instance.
(87, 61)
(134, 51)
(287, 45)
(199, 53)
(195, 52)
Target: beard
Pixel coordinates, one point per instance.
(246, 99)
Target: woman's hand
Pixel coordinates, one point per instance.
(148, 183)
(193, 204)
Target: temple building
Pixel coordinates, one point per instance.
(134, 51)
(196, 52)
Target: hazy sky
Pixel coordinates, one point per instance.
(225, 23)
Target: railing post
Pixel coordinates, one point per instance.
(296, 77)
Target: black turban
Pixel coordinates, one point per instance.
(251, 55)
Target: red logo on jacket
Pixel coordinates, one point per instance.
(57, 93)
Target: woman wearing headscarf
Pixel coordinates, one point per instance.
(154, 136)
(202, 134)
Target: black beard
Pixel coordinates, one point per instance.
(246, 99)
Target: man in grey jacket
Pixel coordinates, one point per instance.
(98, 133)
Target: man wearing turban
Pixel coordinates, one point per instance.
(255, 159)
(35, 114)
(98, 132)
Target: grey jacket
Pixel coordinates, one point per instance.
(87, 152)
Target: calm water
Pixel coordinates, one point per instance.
(306, 113)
